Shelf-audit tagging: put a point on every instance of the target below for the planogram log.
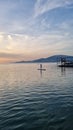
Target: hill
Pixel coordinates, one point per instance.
(54, 58)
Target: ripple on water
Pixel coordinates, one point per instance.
(29, 101)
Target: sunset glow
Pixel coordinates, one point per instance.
(31, 29)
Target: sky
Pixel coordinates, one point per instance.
(32, 29)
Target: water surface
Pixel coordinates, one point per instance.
(35, 100)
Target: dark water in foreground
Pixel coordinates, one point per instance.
(31, 100)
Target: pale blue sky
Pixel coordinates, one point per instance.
(32, 29)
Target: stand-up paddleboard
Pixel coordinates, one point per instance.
(42, 69)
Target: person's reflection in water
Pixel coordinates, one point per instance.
(63, 71)
(41, 73)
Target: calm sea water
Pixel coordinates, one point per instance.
(34, 100)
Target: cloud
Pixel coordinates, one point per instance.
(26, 37)
(42, 7)
(15, 15)
(27, 47)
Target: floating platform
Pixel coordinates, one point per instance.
(65, 63)
(71, 65)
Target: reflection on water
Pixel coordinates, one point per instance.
(63, 70)
(41, 73)
(32, 99)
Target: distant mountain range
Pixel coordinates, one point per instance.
(54, 58)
